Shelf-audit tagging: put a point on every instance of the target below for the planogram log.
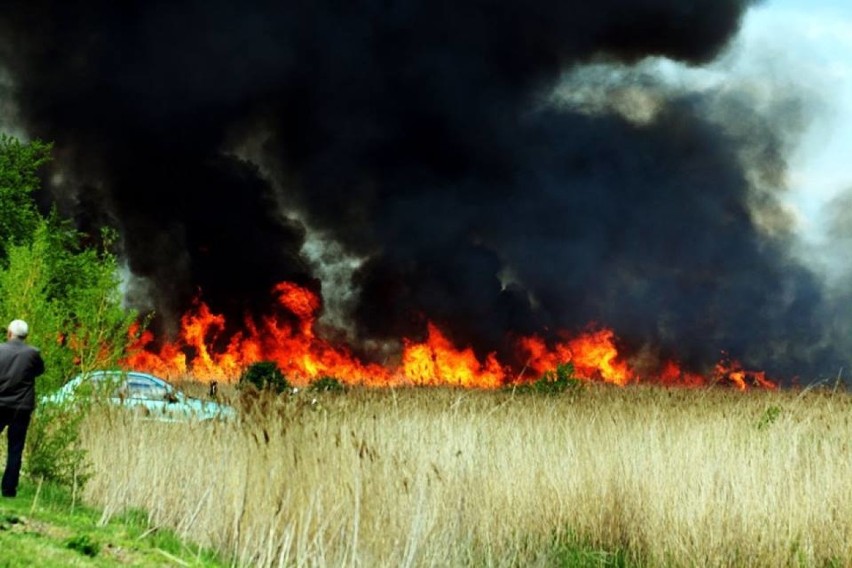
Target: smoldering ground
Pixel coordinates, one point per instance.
(418, 139)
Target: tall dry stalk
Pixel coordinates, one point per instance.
(432, 477)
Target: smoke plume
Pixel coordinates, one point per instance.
(421, 139)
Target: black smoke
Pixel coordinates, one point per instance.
(414, 135)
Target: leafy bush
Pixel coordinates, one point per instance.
(72, 301)
(557, 381)
(68, 293)
(265, 375)
(327, 384)
(53, 446)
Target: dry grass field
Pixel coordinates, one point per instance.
(442, 477)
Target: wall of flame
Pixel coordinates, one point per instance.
(200, 352)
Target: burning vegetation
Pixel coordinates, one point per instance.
(204, 350)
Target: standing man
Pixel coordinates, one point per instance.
(20, 364)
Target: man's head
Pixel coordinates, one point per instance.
(18, 329)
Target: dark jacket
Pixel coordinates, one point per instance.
(20, 364)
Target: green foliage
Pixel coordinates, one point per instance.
(54, 452)
(265, 375)
(327, 384)
(24, 294)
(84, 544)
(770, 415)
(19, 164)
(70, 298)
(582, 554)
(67, 292)
(558, 381)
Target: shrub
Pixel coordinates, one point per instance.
(68, 293)
(558, 381)
(327, 384)
(265, 375)
(54, 452)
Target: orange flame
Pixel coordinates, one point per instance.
(739, 377)
(201, 351)
(298, 352)
(593, 354)
(672, 374)
(437, 362)
(301, 302)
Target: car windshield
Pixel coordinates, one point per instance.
(140, 387)
(97, 383)
(131, 385)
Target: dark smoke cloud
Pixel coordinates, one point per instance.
(412, 134)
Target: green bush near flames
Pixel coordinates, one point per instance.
(265, 375)
(66, 285)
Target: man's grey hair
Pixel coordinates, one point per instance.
(19, 329)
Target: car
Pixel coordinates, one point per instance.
(154, 397)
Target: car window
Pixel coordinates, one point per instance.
(98, 383)
(141, 388)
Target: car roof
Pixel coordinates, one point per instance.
(122, 374)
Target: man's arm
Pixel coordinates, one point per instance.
(38, 364)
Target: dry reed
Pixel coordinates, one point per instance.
(440, 477)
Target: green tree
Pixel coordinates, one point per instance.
(19, 164)
(71, 298)
(67, 292)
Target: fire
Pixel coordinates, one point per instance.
(734, 372)
(437, 362)
(593, 354)
(203, 352)
(296, 349)
(301, 302)
(672, 374)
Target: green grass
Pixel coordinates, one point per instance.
(44, 526)
(570, 551)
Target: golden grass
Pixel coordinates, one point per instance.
(442, 477)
